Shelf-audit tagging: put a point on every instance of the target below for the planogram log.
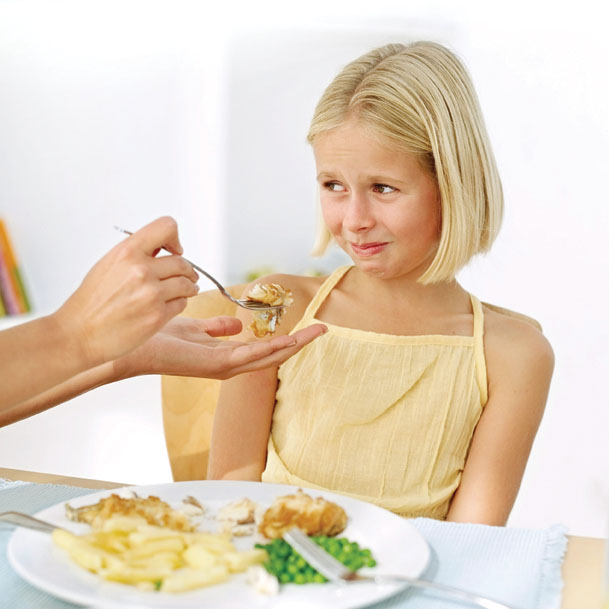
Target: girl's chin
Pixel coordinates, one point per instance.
(372, 267)
(379, 270)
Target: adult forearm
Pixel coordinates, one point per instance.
(36, 356)
(73, 387)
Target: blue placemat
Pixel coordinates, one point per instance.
(517, 566)
(29, 498)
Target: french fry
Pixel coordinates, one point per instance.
(115, 541)
(216, 543)
(150, 548)
(189, 579)
(124, 523)
(173, 559)
(129, 574)
(147, 532)
(199, 557)
(82, 551)
(130, 551)
(240, 561)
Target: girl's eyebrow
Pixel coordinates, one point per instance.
(380, 179)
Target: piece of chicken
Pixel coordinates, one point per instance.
(313, 516)
(152, 509)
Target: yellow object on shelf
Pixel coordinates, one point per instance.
(12, 289)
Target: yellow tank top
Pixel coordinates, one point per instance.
(383, 418)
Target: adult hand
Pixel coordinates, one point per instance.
(129, 294)
(189, 347)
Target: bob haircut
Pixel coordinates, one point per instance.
(420, 99)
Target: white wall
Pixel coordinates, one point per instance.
(115, 113)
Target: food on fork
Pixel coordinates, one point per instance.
(152, 509)
(265, 322)
(312, 516)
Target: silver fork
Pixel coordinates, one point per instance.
(252, 305)
(29, 522)
(335, 571)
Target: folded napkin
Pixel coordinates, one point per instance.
(519, 567)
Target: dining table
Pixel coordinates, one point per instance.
(582, 568)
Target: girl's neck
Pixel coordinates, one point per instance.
(397, 306)
(405, 291)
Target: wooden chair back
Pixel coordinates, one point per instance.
(189, 403)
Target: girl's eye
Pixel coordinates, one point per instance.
(334, 186)
(383, 189)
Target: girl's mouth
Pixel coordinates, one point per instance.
(363, 250)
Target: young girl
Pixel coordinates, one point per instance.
(419, 398)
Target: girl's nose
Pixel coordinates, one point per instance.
(358, 214)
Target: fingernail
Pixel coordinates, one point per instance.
(292, 343)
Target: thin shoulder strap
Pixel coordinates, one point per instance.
(326, 287)
(480, 360)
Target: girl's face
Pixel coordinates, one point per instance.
(382, 208)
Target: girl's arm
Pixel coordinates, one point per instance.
(243, 416)
(242, 424)
(520, 362)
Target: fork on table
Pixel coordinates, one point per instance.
(336, 572)
(252, 305)
(20, 519)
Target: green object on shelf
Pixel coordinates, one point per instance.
(261, 271)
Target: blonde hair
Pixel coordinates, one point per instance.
(420, 98)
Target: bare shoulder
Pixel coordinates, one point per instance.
(511, 314)
(515, 345)
(303, 290)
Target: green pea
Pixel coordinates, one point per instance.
(289, 566)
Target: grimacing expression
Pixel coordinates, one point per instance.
(378, 203)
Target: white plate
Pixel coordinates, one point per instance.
(395, 543)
